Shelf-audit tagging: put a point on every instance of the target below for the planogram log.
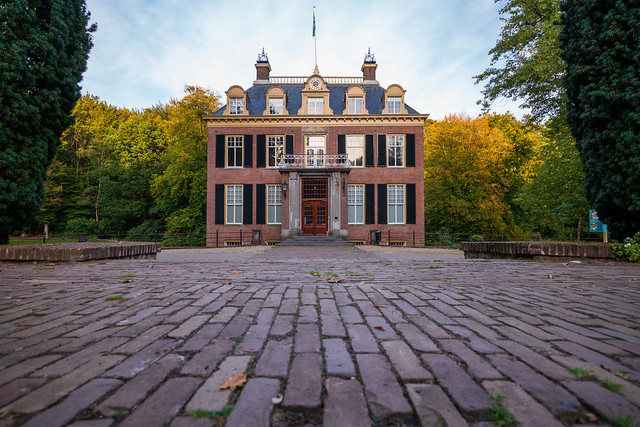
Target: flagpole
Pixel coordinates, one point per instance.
(315, 46)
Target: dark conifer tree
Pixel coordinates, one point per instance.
(601, 46)
(44, 47)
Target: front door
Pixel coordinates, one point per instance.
(314, 206)
(315, 217)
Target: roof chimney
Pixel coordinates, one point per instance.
(369, 68)
(262, 67)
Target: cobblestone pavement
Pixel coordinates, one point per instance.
(348, 337)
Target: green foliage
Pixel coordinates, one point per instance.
(43, 52)
(116, 298)
(499, 413)
(149, 230)
(525, 62)
(629, 250)
(612, 385)
(81, 225)
(581, 373)
(600, 44)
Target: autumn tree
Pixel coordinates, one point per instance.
(601, 45)
(465, 179)
(43, 52)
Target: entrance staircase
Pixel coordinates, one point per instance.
(314, 241)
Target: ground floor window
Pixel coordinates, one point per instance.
(234, 204)
(395, 202)
(274, 204)
(356, 204)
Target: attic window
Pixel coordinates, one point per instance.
(276, 105)
(355, 105)
(394, 105)
(315, 105)
(236, 106)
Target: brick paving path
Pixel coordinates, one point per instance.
(348, 337)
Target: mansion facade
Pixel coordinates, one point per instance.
(315, 155)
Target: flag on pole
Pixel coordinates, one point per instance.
(314, 21)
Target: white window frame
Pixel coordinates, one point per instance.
(235, 143)
(315, 146)
(355, 150)
(274, 204)
(355, 104)
(395, 151)
(355, 203)
(394, 105)
(276, 106)
(236, 106)
(315, 105)
(233, 204)
(275, 150)
(396, 204)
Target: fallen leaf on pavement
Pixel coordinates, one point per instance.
(591, 417)
(236, 272)
(226, 283)
(234, 381)
(380, 328)
(361, 283)
(126, 281)
(35, 284)
(229, 299)
(379, 306)
(334, 280)
(276, 400)
(34, 308)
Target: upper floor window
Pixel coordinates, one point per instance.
(236, 106)
(234, 151)
(355, 150)
(395, 150)
(276, 105)
(315, 106)
(274, 150)
(394, 105)
(355, 105)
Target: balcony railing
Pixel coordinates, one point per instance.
(314, 161)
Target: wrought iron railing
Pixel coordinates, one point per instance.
(314, 161)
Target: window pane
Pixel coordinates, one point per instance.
(355, 105)
(352, 214)
(314, 105)
(276, 106)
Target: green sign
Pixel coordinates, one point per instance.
(595, 225)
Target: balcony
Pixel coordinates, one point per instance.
(314, 161)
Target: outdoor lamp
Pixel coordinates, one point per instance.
(285, 186)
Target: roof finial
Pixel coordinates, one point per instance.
(369, 58)
(263, 57)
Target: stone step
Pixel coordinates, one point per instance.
(314, 241)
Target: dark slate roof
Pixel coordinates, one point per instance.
(257, 95)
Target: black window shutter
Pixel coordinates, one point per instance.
(219, 209)
(368, 150)
(410, 146)
(261, 151)
(369, 204)
(247, 204)
(411, 203)
(382, 151)
(220, 151)
(342, 144)
(382, 203)
(248, 151)
(260, 203)
(288, 147)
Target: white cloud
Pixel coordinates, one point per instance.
(146, 51)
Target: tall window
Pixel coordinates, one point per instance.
(315, 151)
(276, 105)
(236, 106)
(234, 204)
(394, 105)
(355, 200)
(274, 150)
(395, 150)
(314, 105)
(355, 105)
(274, 204)
(234, 151)
(355, 150)
(395, 196)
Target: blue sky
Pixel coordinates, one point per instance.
(145, 51)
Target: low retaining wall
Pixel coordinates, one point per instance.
(58, 252)
(487, 250)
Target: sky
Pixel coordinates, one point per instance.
(146, 51)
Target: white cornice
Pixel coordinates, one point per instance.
(311, 120)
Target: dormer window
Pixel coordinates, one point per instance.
(315, 106)
(394, 105)
(355, 105)
(276, 105)
(236, 106)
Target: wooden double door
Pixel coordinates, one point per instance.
(314, 206)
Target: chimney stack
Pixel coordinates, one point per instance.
(369, 67)
(262, 67)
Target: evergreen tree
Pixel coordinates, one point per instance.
(44, 47)
(601, 47)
